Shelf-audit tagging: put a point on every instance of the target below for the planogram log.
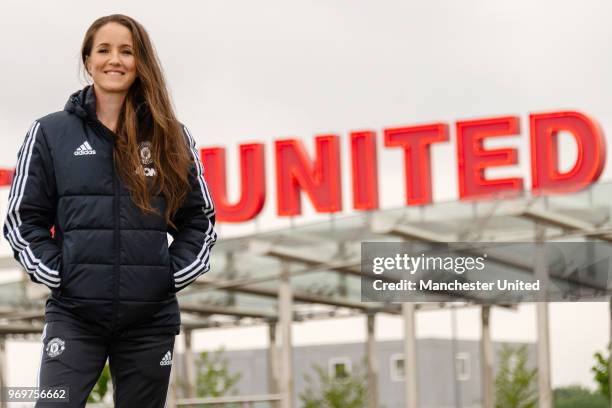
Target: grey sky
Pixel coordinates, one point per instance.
(243, 70)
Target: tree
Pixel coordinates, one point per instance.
(213, 376)
(578, 397)
(101, 388)
(515, 383)
(346, 391)
(601, 371)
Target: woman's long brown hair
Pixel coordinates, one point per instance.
(147, 114)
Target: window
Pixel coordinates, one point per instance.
(339, 367)
(398, 370)
(463, 366)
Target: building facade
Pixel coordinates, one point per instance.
(438, 387)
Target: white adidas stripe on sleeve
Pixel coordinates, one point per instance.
(30, 262)
(201, 264)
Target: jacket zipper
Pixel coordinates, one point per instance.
(117, 234)
(117, 244)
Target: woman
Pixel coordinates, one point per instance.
(112, 173)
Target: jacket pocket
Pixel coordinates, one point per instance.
(87, 281)
(47, 269)
(60, 269)
(171, 287)
(144, 283)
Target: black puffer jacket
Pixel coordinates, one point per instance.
(107, 264)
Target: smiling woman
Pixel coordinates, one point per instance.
(114, 173)
(112, 66)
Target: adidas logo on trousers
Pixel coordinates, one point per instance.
(166, 360)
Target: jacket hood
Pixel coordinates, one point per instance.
(82, 103)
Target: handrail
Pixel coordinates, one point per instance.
(245, 399)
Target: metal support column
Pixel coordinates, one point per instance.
(410, 356)
(610, 351)
(285, 312)
(543, 346)
(455, 352)
(190, 378)
(372, 362)
(273, 368)
(486, 360)
(545, 398)
(2, 367)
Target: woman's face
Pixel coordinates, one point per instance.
(111, 62)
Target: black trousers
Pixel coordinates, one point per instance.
(73, 358)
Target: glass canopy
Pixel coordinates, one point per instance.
(323, 259)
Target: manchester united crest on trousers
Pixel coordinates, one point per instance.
(55, 347)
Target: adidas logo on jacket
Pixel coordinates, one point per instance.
(85, 148)
(107, 264)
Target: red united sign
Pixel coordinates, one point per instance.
(320, 177)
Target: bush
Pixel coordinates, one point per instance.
(101, 388)
(213, 376)
(578, 397)
(601, 371)
(350, 391)
(515, 384)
